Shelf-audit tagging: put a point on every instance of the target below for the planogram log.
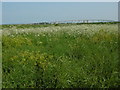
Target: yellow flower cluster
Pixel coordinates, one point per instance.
(37, 58)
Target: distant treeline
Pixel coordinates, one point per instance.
(46, 24)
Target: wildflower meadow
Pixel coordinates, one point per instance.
(60, 56)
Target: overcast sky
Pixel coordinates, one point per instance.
(30, 12)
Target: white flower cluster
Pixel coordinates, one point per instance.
(85, 29)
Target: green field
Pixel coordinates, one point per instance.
(60, 56)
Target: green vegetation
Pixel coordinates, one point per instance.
(80, 56)
(46, 25)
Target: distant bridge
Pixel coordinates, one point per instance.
(82, 21)
(77, 21)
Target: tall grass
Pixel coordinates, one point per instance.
(71, 57)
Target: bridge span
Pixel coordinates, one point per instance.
(76, 21)
(82, 21)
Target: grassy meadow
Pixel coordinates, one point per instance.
(60, 56)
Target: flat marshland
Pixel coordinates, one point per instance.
(70, 56)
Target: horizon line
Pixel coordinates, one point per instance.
(98, 21)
